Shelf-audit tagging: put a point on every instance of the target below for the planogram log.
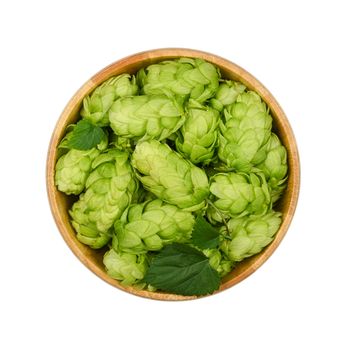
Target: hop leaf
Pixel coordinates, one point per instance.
(85, 136)
(184, 270)
(204, 235)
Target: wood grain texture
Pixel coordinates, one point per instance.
(60, 203)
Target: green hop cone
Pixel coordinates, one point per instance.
(151, 225)
(144, 196)
(121, 143)
(218, 262)
(215, 216)
(275, 167)
(245, 132)
(169, 176)
(125, 267)
(198, 135)
(110, 188)
(74, 166)
(226, 94)
(146, 117)
(240, 194)
(96, 106)
(88, 234)
(186, 77)
(250, 235)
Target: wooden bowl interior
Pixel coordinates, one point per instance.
(61, 203)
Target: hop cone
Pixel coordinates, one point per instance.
(227, 94)
(215, 216)
(125, 267)
(250, 235)
(73, 167)
(110, 189)
(240, 194)
(146, 117)
(218, 262)
(198, 135)
(170, 177)
(275, 167)
(150, 225)
(245, 132)
(121, 143)
(186, 77)
(96, 106)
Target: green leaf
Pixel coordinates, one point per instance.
(183, 270)
(204, 235)
(85, 136)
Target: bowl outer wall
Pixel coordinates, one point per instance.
(60, 203)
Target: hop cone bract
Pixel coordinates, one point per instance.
(169, 176)
(226, 94)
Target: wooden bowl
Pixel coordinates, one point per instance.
(60, 203)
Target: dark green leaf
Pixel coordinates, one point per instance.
(204, 235)
(85, 136)
(183, 270)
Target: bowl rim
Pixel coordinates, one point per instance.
(149, 57)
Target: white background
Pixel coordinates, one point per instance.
(299, 298)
